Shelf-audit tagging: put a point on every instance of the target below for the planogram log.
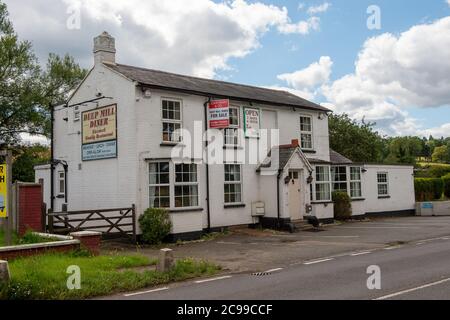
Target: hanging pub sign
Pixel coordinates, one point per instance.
(252, 123)
(219, 114)
(99, 133)
(3, 191)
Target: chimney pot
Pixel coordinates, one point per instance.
(104, 49)
(295, 143)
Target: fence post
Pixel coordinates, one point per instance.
(50, 221)
(43, 217)
(133, 211)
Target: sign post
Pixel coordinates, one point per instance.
(6, 195)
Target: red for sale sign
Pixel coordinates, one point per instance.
(219, 114)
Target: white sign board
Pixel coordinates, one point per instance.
(252, 122)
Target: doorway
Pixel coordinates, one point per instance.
(295, 195)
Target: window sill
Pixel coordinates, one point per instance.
(171, 144)
(181, 210)
(358, 199)
(308, 151)
(322, 202)
(234, 205)
(384, 197)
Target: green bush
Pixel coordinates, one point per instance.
(428, 189)
(438, 171)
(342, 205)
(155, 225)
(446, 181)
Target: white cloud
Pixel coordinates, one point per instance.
(191, 37)
(315, 74)
(448, 2)
(393, 73)
(320, 8)
(437, 132)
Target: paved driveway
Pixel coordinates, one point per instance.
(248, 250)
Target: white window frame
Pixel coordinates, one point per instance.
(61, 183)
(76, 113)
(233, 127)
(383, 183)
(159, 184)
(333, 182)
(235, 182)
(357, 181)
(171, 121)
(317, 182)
(185, 183)
(304, 132)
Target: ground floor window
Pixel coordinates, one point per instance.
(61, 183)
(323, 183)
(355, 182)
(383, 185)
(173, 185)
(232, 183)
(339, 178)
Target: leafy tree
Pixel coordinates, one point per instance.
(26, 91)
(404, 149)
(26, 158)
(441, 154)
(357, 141)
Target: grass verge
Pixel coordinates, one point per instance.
(45, 276)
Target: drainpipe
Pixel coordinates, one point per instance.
(278, 198)
(52, 158)
(207, 167)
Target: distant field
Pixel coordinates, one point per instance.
(424, 164)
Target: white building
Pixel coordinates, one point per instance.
(118, 152)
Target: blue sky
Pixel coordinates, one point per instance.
(397, 76)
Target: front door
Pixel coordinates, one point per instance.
(295, 196)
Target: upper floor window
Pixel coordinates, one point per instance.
(355, 182)
(171, 120)
(233, 183)
(306, 137)
(323, 183)
(339, 178)
(231, 134)
(383, 184)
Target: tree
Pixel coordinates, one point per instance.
(26, 157)
(441, 154)
(26, 91)
(357, 141)
(404, 150)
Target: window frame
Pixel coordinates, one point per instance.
(234, 127)
(303, 132)
(185, 183)
(63, 181)
(317, 182)
(171, 121)
(233, 182)
(159, 185)
(387, 194)
(333, 182)
(358, 181)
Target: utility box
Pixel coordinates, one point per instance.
(258, 209)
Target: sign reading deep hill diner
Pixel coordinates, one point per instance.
(219, 114)
(3, 192)
(99, 133)
(252, 122)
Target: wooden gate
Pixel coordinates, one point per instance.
(119, 222)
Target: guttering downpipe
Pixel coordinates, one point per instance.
(52, 158)
(278, 198)
(207, 167)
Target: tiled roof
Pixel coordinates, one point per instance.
(214, 88)
(337, 158)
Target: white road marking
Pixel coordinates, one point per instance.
(144, 292)
(360, 253)
(412, 289)
(392, 248)
(273, 270)
(317, 261)
(213, 279)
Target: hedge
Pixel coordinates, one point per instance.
(438, 171)
(428, 189)
(446, 180)
(342, 205)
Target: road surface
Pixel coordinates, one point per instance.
(417, 270)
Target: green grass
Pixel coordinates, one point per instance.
(45, 277)
(28, 238)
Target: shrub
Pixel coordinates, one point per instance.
(155, 225)
(446, 181)
(428, 189)
(438, 171)
(342, 205)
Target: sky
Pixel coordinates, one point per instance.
(386, 62)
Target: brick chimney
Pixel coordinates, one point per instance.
(104, 49)
(295, 143)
